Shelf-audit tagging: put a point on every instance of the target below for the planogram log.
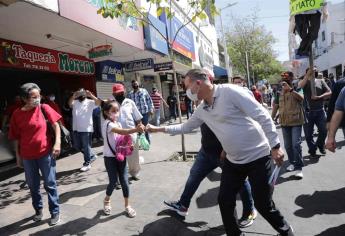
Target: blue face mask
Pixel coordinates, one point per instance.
(35, 102)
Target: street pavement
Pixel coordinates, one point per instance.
(314, 205)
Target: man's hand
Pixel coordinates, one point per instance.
(140, 128)
(278, 156)
(88, 94)
(56, 150)
(330, 144)
(151, 113)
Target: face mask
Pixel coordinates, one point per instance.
(120, 98)
(191, 96)
(114, 116)
(52, 98)
(35, 102)
(81, 98)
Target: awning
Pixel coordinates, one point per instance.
(219, 72)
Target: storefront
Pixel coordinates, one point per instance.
(55, 72)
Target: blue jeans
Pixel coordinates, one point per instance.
(82, 142)
(319, 119)
(204, 164)
(47, 166)
(158, 117)
(145, 121)
(292, 136)
(116, 170)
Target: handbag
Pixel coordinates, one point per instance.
(66, 139)
(143, 143)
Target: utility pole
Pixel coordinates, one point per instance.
(227, 61)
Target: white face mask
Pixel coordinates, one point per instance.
(35, 102)
(52, 98)
(114, 116)
(191, 96)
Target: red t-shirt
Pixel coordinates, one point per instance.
(257, 96)
(57, 109)
(30, 129)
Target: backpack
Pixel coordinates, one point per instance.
(66, 139)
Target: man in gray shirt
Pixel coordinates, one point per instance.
(249, 138)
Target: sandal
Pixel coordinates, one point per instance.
(130, 212)
(106, 207)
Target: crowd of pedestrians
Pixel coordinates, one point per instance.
(230, 116)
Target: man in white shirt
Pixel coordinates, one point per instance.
(130, 117)
(82, 109)
(249, 138)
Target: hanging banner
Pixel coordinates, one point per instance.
(24, 56)
(300, 6)
(100, 51)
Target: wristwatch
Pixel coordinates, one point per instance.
(276, 146)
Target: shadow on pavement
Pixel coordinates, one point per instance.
(78, 226)
(321, 202)
(172, 226)
(335, 231)
(9, 192)
(17, 227)
(70, 177)
(340, 144)
(214, 176)
(81, 192)
(208, 199)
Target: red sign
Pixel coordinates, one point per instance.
(24, 56)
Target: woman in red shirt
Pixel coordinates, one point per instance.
(35, 150)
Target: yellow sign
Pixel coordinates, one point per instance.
(300, 6)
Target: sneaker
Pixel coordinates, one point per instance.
(247, 221)
(135, 178)
(86, 168)
(55, 219)
(38, 215)
(322, 151)
(290, 168)
(176, 206)
(288, 233)
(299, 174)
(312, 154)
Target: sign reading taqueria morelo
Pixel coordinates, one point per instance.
(24, 56)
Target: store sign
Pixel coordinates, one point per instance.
(100, 51)
(144, 64)
(153, 38)
(109, 71)
(184, 41)
(163, 66)
(24, 56)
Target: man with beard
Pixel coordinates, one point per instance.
(82, 109)
(144, 103)
(130, 117)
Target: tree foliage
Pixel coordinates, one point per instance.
(247, 35)
(131, 8)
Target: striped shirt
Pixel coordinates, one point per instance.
(142, 100)
(156, 99)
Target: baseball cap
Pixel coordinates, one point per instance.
(118, 88)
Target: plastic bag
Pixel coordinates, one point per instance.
(143, 143)
(274, 176)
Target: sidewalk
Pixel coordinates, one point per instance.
(314, 205)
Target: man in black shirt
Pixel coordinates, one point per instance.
(207, 160)
(172, 102)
